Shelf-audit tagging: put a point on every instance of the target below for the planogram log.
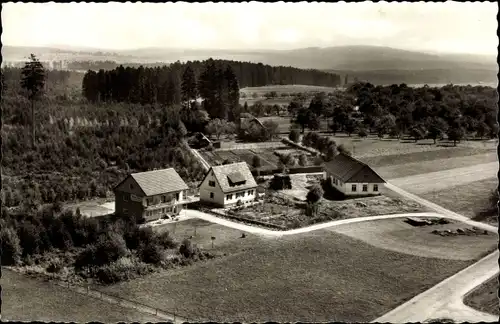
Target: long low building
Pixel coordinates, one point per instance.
(353, 177)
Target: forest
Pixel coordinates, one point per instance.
(454, 112)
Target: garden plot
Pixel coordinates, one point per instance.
(285, 211)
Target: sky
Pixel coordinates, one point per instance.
(450, 27)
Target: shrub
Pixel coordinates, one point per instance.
(256, 161)
(344, 150)
(302, 160)
(55, 266)
(315, 194)
(362, 133)
(109, 247)
(280, 182)
(318, 161)
(166, 240)
(311, 209)
(187, 249)
(120, 270)
(294, 135)
(151, 253)
(11, 247)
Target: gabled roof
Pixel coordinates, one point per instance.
(158, 182)
(348, 169)
(237, 171)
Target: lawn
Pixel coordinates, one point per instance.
(398, 236)
(427, 162)
(467, 199)
(485, 297)
(319, 276)
(227, 240)
(26, 299)
(284, 123)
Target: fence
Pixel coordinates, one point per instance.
(171, 315)
(247, 220)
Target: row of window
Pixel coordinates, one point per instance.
(153, 200)
(238, 194)
(354, 188)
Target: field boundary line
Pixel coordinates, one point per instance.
(122, 302)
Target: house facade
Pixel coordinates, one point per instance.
(225, 185)
(151, 195)
(353, 177)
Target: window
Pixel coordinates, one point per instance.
(163, 199)
(353, 188)
(211, 183)
(125, 211)
(212, 195)
(125, 197)
(229, 197)
(131, 186)
(375, 187)
(149, 201)
(177, 196)
(365, 188)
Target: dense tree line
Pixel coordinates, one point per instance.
(159, 84)
(455, 112)
(106, 65)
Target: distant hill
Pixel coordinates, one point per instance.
(372, 63)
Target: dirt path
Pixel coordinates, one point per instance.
(445, 299)
(201, 159)
(444, 179)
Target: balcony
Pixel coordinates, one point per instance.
(174, 202)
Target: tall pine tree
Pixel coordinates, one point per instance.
(33, 81)
(189, 88)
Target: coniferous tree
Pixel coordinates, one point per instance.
(189, 88)
(33, 81)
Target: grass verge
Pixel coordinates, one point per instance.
(485, 297)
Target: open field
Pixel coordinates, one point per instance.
(398, 236)
(288, 88)
(374, 149)
(485, 297)
(427, 162)
(26, 299)
(284, 123)
(269, 160)
(282, 101)
(466, 199)
(443, 180)
(344, 280)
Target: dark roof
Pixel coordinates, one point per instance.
(239, 171)
(158, 182)
(236, 177)
(346, 168)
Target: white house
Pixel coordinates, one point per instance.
(225, 185)
(353, 177)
